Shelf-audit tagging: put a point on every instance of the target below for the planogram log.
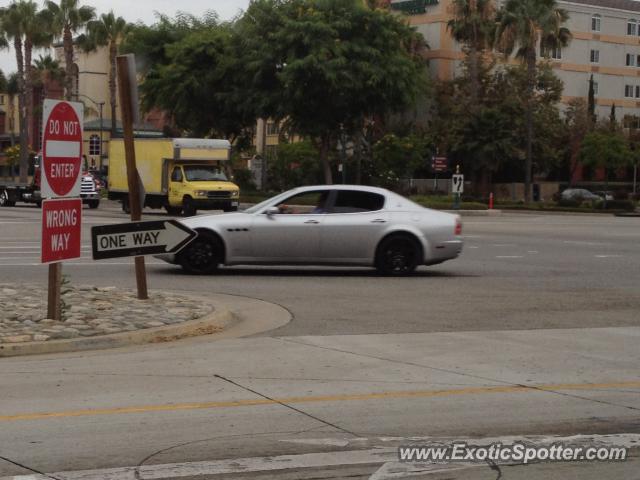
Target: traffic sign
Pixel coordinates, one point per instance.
(61, 149)
(61, 229)
(439, 164)
(457, 183)
(136, 239)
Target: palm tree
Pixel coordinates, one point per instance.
(65, 20)
(527, 25)
(24, 24)
(47, 70)
(12, 90)
(108, 31)
(473, 25)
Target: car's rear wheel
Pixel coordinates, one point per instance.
(94, 204)
(398, 255)
(189, 208)
(203, 255)
(4, 199)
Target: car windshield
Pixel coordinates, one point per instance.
(204, 174)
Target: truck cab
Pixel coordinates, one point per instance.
(203, 186)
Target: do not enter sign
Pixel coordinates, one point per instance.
(61, 149)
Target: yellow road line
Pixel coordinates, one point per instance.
(317, 399)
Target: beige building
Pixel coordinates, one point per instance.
(606, 44)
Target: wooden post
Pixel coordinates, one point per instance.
(126, 107)
(54, 311)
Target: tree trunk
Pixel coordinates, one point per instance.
(325, 145)
(475, 76)
(22, 114)
(28, 88)
(67, 42)
(113, 52)
(531, 82)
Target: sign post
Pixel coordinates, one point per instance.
(128, 104)
(62, 124)
(438, 165)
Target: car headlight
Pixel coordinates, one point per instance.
(200, 193)
(235, 193)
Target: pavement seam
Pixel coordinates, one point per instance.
(286, 405)
(462, 374)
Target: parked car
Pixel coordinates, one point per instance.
(605, 195)
(325, 225)
(579, 194)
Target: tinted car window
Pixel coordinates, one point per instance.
(176, 175)
(353, 201)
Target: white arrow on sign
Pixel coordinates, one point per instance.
(169, 237)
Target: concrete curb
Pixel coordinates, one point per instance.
(210, 324)
(475, 213)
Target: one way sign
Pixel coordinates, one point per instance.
(139, 238)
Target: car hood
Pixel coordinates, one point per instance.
(220, 219)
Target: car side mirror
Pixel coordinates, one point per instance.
(271, 211)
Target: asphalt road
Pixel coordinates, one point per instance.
(534, 331)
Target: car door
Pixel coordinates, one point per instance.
(175, 186)
(293, 235)
(353, 227)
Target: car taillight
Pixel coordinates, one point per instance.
(458, 230)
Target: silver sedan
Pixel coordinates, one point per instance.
(325, 225)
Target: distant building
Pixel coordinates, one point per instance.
(606, 44)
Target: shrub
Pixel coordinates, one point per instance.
(244, 179)
(626, 205)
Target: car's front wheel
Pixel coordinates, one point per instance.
(398, 255)
(203, 255)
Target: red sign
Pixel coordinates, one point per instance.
(440, 164)
(61, 149)
(61, 229)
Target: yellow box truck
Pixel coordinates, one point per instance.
(181, 175)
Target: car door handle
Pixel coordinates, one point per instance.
(312, 222)
(378, 220)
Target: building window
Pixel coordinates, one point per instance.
(596, 88)
(595, 56)
(638, 92)
(628, 91)
(596, 23)
(94, 145)
(632, 27)
(273, 128)
(1, 99)
(631, 60)
(556, 53)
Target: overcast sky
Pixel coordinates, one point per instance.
(143, 10)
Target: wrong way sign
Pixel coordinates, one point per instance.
(61, 149)
(139, 238)
(61, 229)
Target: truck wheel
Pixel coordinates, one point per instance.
(188, 207)
(173, 210)
(94, 204)
(229, 208)
(125, 206)
(4, 199)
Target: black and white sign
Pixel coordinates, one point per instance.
(457, 184)
(139, 238)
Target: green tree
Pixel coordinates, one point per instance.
(591, 99)
(605, 149)
(201, 85)
(326, 65)
(398, 157)
(24, 24)
(527, 25)
(108, 31)
(47, 69)
(65, 19)
(579, 124)
(294, 164)
(473, 25)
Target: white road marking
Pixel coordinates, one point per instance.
(509, 256)
(533, 252)
(608, 256)
(386, 455)
(504, 245)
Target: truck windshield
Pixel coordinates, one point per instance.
(204, 174)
